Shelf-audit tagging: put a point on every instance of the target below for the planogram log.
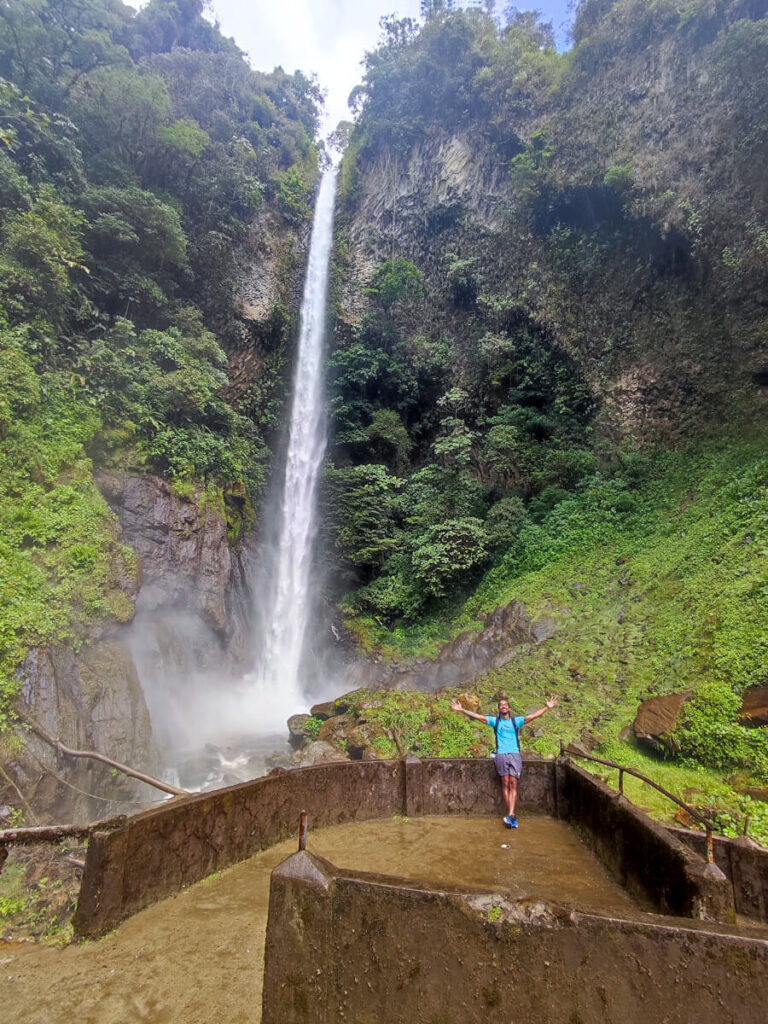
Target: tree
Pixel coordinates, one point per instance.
(395, 281)
(447, 552)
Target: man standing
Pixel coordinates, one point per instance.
(509, 762)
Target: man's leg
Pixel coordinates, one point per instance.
(509, 792)
(512, 800)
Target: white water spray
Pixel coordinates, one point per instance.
(284, 600)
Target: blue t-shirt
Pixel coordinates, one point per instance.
(507, 733)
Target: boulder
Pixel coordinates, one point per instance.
(656, 720)
(543, 629)
(296, 735)
(470, 701)
(325, 709)
(754, 706)
(318, 752)
(360, 740)
(590, 740)
(352, 699)
(278, 759)
(335, 730)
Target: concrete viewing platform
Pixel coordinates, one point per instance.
(198, 957)
(412, 902)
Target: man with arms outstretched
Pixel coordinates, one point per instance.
(509, 763)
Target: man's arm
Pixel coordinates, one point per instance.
(457, 706)
(542, 711)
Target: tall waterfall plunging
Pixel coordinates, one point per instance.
(283, 599)
(215, 728)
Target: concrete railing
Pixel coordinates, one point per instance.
(343, 945)
(158, 852)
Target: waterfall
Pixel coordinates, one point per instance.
(283, 597)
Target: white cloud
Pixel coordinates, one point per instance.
(327, 37)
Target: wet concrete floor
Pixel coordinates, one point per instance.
(197, 957)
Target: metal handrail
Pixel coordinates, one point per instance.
(709, 827)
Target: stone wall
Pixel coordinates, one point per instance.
(657, 869)
(158, 852)
(341, 945)
(744, 863)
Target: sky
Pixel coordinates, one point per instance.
(328, 37)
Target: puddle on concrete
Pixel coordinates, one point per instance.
(198, 957)
(545, 859)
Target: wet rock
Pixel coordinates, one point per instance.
(318, 752)
(371, 754)
(186, 558)
(350, 700)
(360, 740)
(754, 706)
(326, 709)
(590, 740)
(92, 700)
(656, 720)
(543, 629)
(296, 735)
(334, 730)
(506, 630)
(196, 771)
(278, 759)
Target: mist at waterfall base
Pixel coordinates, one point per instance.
(214, 726)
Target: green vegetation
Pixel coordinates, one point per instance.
(134, 151)
(521, 424)
(668, 592)
(312, 727)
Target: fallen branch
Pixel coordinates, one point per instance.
(58, 833)
(93, 755)
(20, 795)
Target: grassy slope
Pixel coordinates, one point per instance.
(663, 588)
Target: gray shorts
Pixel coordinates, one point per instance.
(509, 764)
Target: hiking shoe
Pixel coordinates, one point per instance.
(510, 821)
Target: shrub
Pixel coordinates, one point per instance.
(447, 552)
(504, 522)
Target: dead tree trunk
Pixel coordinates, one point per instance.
(93, 755)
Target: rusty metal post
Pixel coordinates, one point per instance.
(710, 846)
(3, 857)
(746, 825)
(303, 831)
(562, 748)
(621, 782)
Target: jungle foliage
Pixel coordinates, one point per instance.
(523, 422)
(135, 149)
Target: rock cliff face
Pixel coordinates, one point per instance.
(91, 700)
(187, 561)
(191, 598)
(617, 214)
(657, 355)
(447, 185)
(507, 631)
